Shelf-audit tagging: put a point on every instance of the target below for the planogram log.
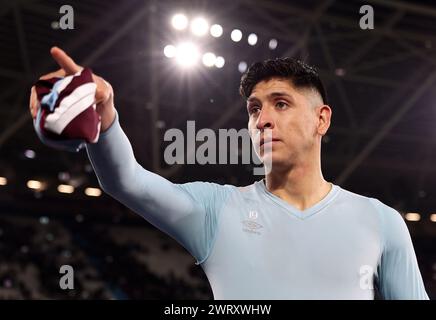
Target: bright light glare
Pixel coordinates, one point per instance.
(3, 181)
(170, 51)
(433, 217)
(412, 216)
(219, 62)
(252, 39)
(209, 59)
(179, 21)
(199, 26)
(242, 67)
(65, 188)
(34, 184)
(236, 35)
(272, 44)
(30, 154)
(216, 30)
(187, 54)
(44, 220)
(93, 192)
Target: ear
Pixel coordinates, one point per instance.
(324, 114)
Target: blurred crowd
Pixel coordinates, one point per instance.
(112, 261)
(109, 261)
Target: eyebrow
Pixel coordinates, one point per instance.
(272, 95)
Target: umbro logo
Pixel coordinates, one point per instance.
(251, 225)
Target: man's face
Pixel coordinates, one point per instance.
(287, 116)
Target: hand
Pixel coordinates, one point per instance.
(104, 95)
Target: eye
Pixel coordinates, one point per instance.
(253, 109)
(281, 105)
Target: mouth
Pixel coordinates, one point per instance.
(266, 141)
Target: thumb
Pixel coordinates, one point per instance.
(65, 61)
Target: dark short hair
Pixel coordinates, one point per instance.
(301, 74)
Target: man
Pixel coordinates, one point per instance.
(292, 235)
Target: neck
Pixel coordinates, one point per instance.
(302, 185)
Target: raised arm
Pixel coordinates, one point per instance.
(187, 212)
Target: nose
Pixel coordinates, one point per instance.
(265, 120)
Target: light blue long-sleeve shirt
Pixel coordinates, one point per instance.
(253, 245)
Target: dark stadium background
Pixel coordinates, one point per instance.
(382, 142)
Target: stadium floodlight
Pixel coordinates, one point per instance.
(209, 59)
(34, 184)
(252, 39)
(272, 44)
(433, 217)
(44, 220)
(65, 188)
(199, 26)
(3, 181)
(179, 21)
(30, 154)
(219, 62)
(93, 192)
(412, 216)
(170, 51)
(236, 35)
(242, 67)
(187, 54)
(216, 31)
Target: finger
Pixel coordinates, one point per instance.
(65, 61)
(103, 90)
(33, 103)
(56, 74)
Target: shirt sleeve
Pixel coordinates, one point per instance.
(187, 212)
(398, 276)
